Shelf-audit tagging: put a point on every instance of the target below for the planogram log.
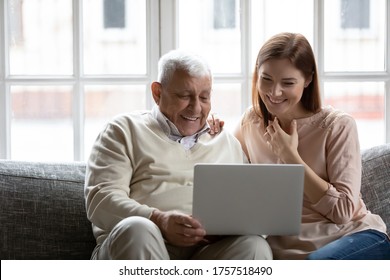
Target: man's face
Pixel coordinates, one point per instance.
(185, 101)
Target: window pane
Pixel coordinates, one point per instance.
(365, 102)
(216, 39)
(224, 14)
(40, 37)
(41, 124)
(269, 19)
(114, 14)
(114, 43)
(104, 102)
(354, 35)
(355, 14)
(226, 103)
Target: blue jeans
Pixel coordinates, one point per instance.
(364, 245)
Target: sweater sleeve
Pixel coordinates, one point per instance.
(343, 163)
(108, 176)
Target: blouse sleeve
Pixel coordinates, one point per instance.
(343, 163)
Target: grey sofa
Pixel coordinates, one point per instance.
(42, 210)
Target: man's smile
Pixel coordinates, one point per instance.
(189, 118)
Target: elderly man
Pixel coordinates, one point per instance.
(139, 175)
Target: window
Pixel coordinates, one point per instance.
(355, 14)
(355, 69)
(114, 51)
(114, 14)
(224, 14)
(67, 70)
(16, 22)
(67, 67)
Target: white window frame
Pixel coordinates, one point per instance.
(78, 80)
(162, 36)
(379, 76)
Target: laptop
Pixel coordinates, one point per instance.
(248, 199)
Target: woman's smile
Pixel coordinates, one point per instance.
(276, 101)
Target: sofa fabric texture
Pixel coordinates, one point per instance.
(42, 208)
(376, 181)
(42, 211)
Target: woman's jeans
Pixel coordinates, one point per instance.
(364, 245)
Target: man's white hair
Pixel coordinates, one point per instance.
(174, 60)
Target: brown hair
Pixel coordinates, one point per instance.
(297, 49)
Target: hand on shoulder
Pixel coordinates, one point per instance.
(215, 123)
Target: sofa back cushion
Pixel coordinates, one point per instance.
(376, 181)
(42, 211)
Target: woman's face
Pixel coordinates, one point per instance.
(280, 85)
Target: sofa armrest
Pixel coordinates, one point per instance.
(42, 211)
(376, 181)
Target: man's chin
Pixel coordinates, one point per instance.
(189, 132)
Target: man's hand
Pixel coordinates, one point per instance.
(178, 229)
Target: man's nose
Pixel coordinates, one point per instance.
(195, 104)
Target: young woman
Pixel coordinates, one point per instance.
(287, 125)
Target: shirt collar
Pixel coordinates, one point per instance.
(170, 128)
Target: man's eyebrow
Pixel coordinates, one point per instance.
(181, 91)
(189, 91)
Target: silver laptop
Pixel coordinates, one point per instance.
(248, 199)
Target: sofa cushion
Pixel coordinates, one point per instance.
(376, 181)
(43, 211)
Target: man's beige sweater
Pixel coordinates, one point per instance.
(135, 168)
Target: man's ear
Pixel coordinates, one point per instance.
(156, 91)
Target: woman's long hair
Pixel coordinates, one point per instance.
(297, 49)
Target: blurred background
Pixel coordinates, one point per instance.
(67, 67)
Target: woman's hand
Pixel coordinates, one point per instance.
(215, 124)
(284, 145)
(178, 229)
